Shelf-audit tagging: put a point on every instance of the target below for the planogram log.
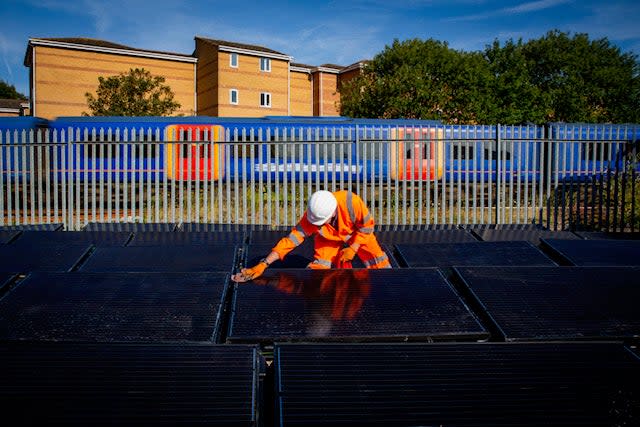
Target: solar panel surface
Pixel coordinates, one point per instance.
(96, 238)
(471, 253)
(549, 303)
(595, 235)
(24, 258)
(7, 236)
(430, 236)
(477, 384)
(129, 226)
(594, 252)
(186, 238)
(83, 384)
(114, 307)
(34, 227)
(387, 304)
(195, 258)
(529, 235)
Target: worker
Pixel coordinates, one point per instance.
(343, 228)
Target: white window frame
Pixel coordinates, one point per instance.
(233, 56)
(265, 96)
(265, 65)
(231, 92)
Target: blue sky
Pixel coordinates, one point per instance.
(338, 32)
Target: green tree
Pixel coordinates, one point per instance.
(133, 93)
(8, 91)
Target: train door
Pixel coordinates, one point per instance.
(416, 154)
(190, 154)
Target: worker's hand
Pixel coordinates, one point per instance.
(247, 274)
(346, 255)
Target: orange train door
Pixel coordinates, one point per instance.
(417, 154)
(194, 157)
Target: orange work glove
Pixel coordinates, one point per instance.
(346, 255)
(247, 274)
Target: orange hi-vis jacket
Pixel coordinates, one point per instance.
(353, 226)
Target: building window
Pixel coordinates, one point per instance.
(233, 96)
(265, 99)
(265, 64)
(233, 60)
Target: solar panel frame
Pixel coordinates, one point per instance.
(605, 235)
(447, 255)
(34, 227)
(593, 252)
(129, 226)
(79, 384)
(115, 307)
(530, 235)
(186, 238)
(7, 236)
(554, 303)
(5, 281)
(342, 305)
(492, 384)
(195, 258)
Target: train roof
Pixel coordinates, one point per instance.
(22, 123)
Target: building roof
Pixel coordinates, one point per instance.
(99, 45)
(13, 103)
(243, 46)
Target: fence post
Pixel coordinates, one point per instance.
(498, 217)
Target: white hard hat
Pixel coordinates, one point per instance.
(322, 205)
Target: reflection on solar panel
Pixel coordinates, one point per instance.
(431, 236)
(532, 236)
(114, 307)
(535, 303)
(350, 304)
(456, 384)
(81, 384)
(472, 253)
(186, 238)
(594, 252)
(5, 280)
(7, 236)
(96, 238)
(595, 235)
(162, 258)
(129, 226)
(25, 258)
(34, 227)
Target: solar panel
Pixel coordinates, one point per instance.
(416, 227)
(462, 384)
(84, 384)
(471, 253)
(545, 303)
(530, 227)
(186, 238)
(129, 226)
(386, 304)
(267, 236)
(200, 258)
(33, 227)
(114, 307)
(7, 236)
(529, 235)
(600, 235)
(202, 226)
(96, 238)
(593, 252)
(5, 280)
(24, 258)
(300, 256)
(430, 236)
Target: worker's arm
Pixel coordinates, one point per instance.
(257, 270)
(363, 225)
(299, 232)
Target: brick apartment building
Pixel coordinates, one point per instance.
(220, 78)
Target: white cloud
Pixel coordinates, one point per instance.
(533, 6)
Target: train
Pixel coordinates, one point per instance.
(278, 149)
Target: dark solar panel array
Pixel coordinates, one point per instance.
(446, 255)
(129, 226)
(529, 235)
(24, 258)
(33, 227)
(201, 226)
(267, 237)
(343, 304)
(114, 307)
(82, 384)
(5, 280)
(456, 384)
(600, 235)
(415, 227)
(186, 238)
(7, 236)
(430, 236)
(594, 252)
(549, 303)
(96, 238)
(195, 258)
(530, 227)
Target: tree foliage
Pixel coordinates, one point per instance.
(133, 93)
(8, 91)
(555, 78)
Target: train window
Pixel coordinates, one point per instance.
(506, 154)
(463, 151)
(596, 150)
